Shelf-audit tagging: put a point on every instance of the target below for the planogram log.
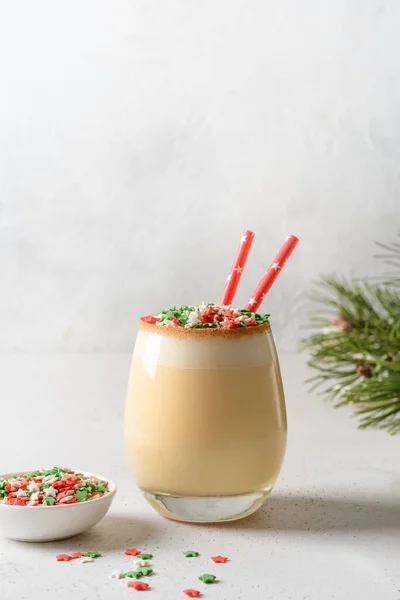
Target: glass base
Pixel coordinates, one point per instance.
(211, 509)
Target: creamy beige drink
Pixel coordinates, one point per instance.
(205, 426)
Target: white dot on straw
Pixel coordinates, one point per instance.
(229, 277)
(252, 301)
(275, 266)
(243, 239)
(238, 269)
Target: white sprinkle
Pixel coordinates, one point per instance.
(85, 559)
(50, 479)
(15, 482)
(33, 486)
(117, 575)
(69, 495)
(20, 493)
(50, 491)
(141, 563)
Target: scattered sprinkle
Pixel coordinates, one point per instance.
(63, 557)
(219, 559)
(85, 559)
(117, 575)
(139, 586)
(93, 554)
(207, 578)
(77, 555)
(145, 556)
(144, 571)
(205, 316)
(190, 553)
(141, 563)
(132, 552)
(133, 574)
(192, 593)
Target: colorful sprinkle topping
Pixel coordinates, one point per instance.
(192, 593)
(132, 552)
(51, 487)
(139, 586)
(207, 578)
(133, 574)
(93, 554)
(219, 559)
(206, 315)
(190, 553)
(145, 556)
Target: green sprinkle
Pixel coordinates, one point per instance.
(101, 487)
(45, 486)
(93, 554)
(3, 484)
(144, 571)
(31, 474)
(207, 578)
(190, 553)
(3, 493)
(81, 495)
(49, 500)
(145, 556)
(133, 575)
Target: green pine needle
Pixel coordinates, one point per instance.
(358, 359)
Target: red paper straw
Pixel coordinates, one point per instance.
(237, 267)
(272, 273)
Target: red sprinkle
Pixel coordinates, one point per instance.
(229, 325)
(77, 555)
(192, 593)
(150, 319)
(138, 585)
(71, 501)
(132, 551)
(62, 557)
(219, 559)
(175, 321)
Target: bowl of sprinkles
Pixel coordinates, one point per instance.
(52, 504)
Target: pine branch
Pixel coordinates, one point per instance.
(357, 352)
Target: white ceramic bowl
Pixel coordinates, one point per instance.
(49, 523)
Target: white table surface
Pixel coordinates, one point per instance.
(331, 528)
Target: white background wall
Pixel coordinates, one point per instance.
(138, 139)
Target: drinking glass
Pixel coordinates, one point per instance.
(205, 420)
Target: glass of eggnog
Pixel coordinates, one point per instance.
(205, 421)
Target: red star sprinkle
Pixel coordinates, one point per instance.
(77, 555)
(219, 559)
(132, 551)
(61, 557)
(139, 586)
(150, 319)
(192, 593)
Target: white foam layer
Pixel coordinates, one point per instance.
(204, 352)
